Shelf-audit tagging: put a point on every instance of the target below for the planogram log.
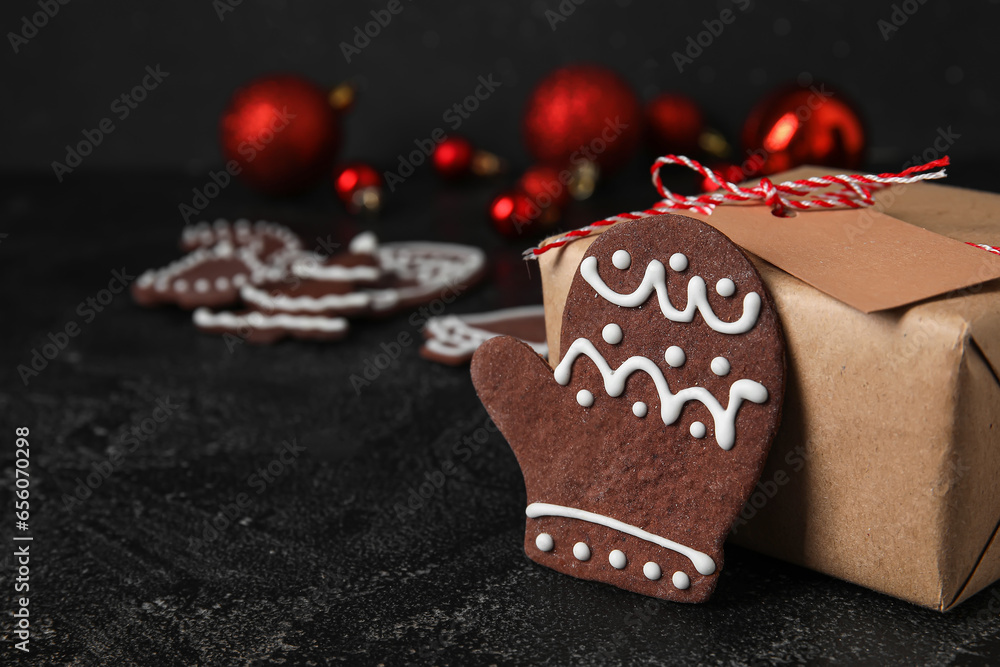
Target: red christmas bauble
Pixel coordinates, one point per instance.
(796, 126)
(541, 183)
(582, 112)
(452, 158)
(513, 214)
(283, 133)
(675, 123)
(359, 186)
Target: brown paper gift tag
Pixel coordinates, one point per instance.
(866, 259)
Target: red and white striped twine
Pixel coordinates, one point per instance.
(855, 191)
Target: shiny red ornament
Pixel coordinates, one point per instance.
(675, 123)
(514, 215)
(359, 186)
(582, 112)
(452, 158)
(795, 126)
(545, 186)
(729, 172)
(282, 131)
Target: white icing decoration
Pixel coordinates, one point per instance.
(720, 366)
(221, 283)
(581, 551)
(678, 262)
(239, 280)
(698, 430)
(701, 561)
(652, 571)
(681, 581)
(431, 267)
(621, 259)
(655, 280)
(584, 398)
(457, 335)
(312, 268)
(725, 287)
(675, 356)
(180, 285)
(617, 559)
(544, 542)
(201, 285)
(670, 403)
(640, 409)
(365, 243)
(612, 334)
(205, 318)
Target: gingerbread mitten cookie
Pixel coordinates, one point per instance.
(642, 447)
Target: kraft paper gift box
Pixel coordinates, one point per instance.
(884, 472)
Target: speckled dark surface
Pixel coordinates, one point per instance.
(331, 563)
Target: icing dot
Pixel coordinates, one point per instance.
(584, 398)
(652, 571)
(181, 285)
(621, 259)
(639, 409)
(201, 285)
(725, 287)
(221, 283)
(581, 551)
(698, 430)
(678, 261)
(720, 366)
(612, 334)
(544, 542)
(239, 280)
(675, 356)
(681, 580)
(617, 559)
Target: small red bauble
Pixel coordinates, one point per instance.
(452, 158)
(796, 126)
(359, 186)
(675, 123)
(543, 185)
(282, 131)
(582, 112)
(513, 214)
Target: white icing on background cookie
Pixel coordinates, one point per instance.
(205, 318)
(701, 561)
(670, 403)
(461, 335)
(655, 280)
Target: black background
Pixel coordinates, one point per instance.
(321, 568)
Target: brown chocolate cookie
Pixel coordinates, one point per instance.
(642, 447)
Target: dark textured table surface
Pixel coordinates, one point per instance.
(327, 553)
